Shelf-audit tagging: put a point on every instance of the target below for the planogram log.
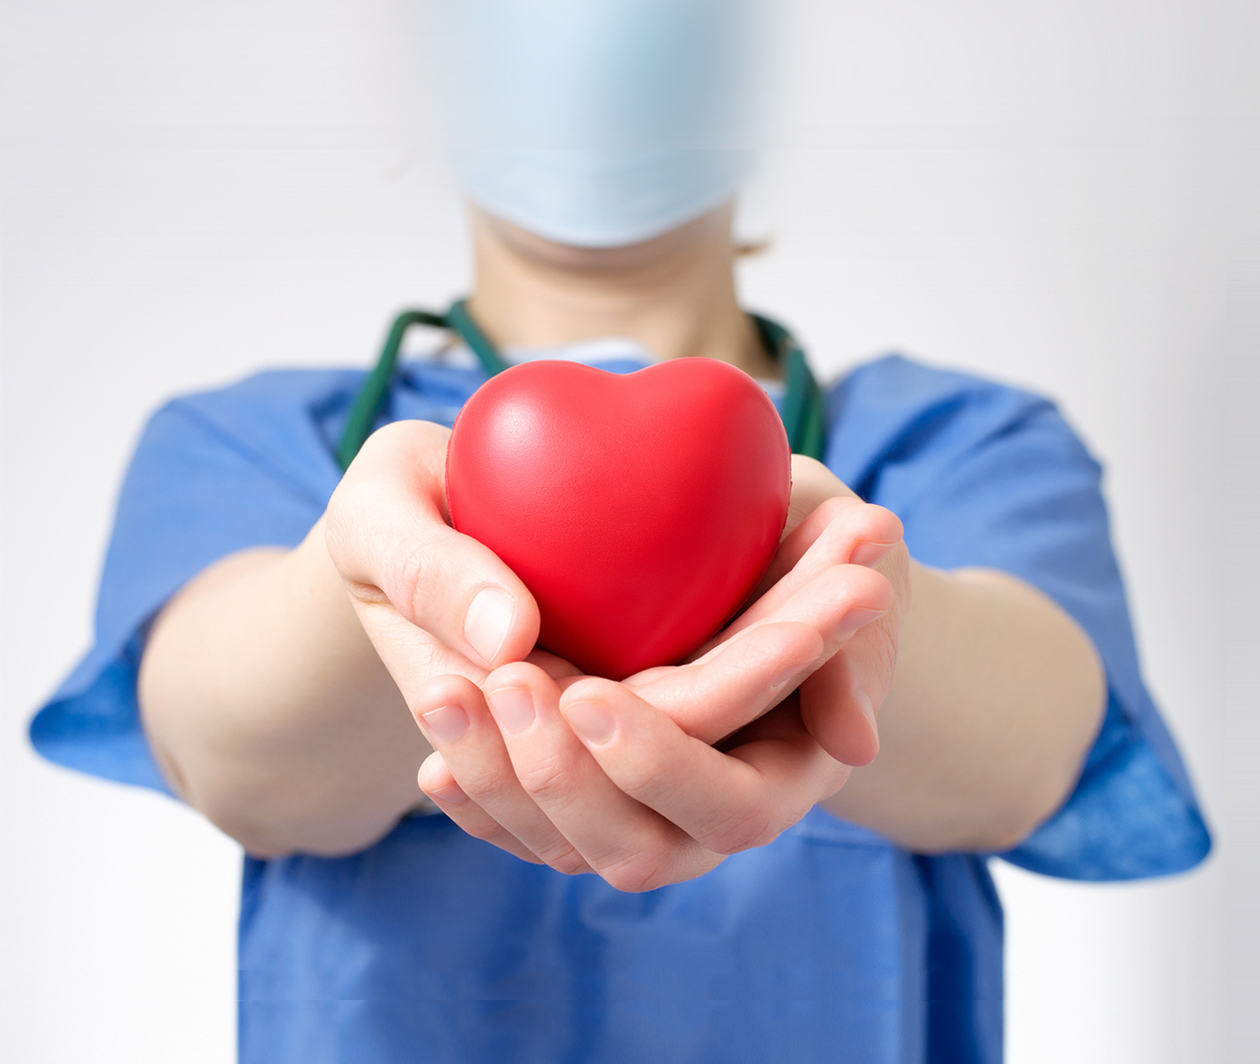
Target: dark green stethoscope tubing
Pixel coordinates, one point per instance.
(803, 412)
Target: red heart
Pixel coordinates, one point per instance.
(639, 509)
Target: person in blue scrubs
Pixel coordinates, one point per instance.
(580, 875)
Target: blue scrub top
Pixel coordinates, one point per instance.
(828, 944)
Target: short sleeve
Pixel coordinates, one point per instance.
(1025, 497)
(195, 491)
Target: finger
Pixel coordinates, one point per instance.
(411, 655)
(452, 713)
(726, 803)
(841, 530)
(776, 744)
(712, 698)
(552, 664)
(854, 531)
(436, 781)
(747, 674)
(626, 843)
(840, 701)
(387, 533)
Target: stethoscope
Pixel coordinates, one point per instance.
(803, 413)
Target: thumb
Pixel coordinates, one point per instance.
(387, 534)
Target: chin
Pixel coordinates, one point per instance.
(543, 251)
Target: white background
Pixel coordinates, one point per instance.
(1058, 194)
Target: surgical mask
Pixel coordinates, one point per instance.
(601, 123)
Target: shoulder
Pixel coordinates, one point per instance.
(264, 395)
(286, 423)
(904, 391)
(421, 387)
(279, 423)
(897, 422)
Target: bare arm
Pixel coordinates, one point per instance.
(989, 694)
(996, 699)
(269, 710)
(261, 686)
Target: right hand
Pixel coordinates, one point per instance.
(432, 601)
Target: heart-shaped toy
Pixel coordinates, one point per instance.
(639, 509)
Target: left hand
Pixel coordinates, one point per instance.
(828, 524)
(641, 797)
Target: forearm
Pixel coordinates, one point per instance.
(997, 697)
(269, 710)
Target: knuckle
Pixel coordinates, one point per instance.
(442, 690)
(741, 831)
(483, 830)
(834, 508)
(860, 587)
(485, 785)
(417, 576)
(635, 873)
(643, 777)
(410, 573)
(845, 526)
(564, 859)
(834, 544)
(884, 516)
(546, 780)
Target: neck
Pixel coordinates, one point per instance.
(674, 296)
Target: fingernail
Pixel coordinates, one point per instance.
(592, 721)
(488, 621)
(856, 620)
(513, 708)
(446, 723)
(869, 553)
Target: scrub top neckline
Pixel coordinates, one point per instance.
(599, 352)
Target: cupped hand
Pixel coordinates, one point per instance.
(623, 779)
(837, 552)
(828, 525)
(584, 775)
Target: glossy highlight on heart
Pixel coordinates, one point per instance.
(639, 509)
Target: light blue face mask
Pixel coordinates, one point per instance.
(601, 123)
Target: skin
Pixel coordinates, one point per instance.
(291, 694)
